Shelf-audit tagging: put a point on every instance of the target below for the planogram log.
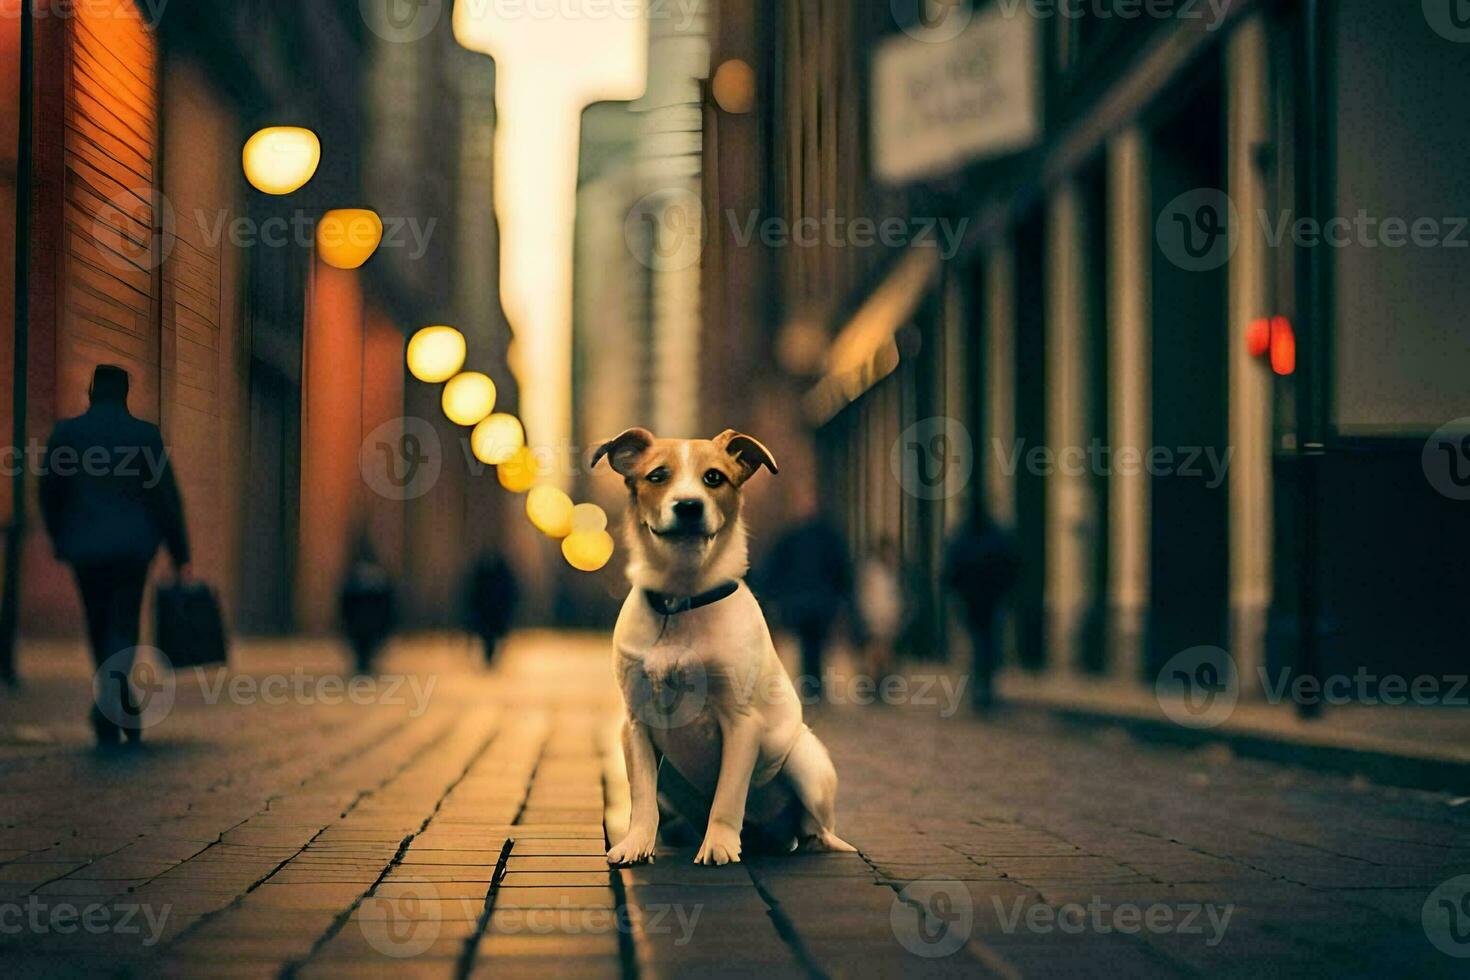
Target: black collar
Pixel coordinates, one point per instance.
(667, 604)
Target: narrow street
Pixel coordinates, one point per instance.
(451, 823)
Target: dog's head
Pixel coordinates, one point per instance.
(684, 499)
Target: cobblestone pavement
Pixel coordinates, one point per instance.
(451, 823)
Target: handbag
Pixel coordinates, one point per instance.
(188, 625)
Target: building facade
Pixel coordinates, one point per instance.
(1169, 353)
(272, 374)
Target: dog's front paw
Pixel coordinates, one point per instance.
(721, 845)
(635, 848)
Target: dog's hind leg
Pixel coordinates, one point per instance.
(812, 776)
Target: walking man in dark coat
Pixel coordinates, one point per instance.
(109, 499)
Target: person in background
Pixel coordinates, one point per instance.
(490, 598)
(981, 566)
(367, 605)
(807, 578)
(883, 605)
(108, 500)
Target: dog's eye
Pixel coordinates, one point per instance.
(713, 478)
(659, 475)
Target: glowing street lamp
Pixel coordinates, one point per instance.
(281, 159)
(348, 237)
(468, 398)
(550, 510)
(497, 439)
(587, 551)
(436, 354)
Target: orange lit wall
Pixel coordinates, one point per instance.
(331, 433)
(9, 133)
(382, 402)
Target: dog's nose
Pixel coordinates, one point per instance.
(690, 509)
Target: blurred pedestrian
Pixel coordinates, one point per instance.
(981, 566)
(807, 579)
(883, 606)
(109, 499)
(367, 605)
(490, 598)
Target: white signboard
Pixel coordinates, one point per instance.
(944, 98)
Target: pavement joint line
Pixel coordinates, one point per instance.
(466, 962)
(786, 929)
(288, 972)
(627, 952)
(363, 794)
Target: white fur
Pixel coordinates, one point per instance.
(738, 724)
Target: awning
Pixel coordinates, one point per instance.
(864, 351)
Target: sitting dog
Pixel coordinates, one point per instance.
(741, 758)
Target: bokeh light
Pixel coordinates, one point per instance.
(587, 551)
(734, 87)
(497, 438)
(348, 237)
(436, 354)
(518, 474)
(281, 159)
(589, 517)
(550, 510)
(468, 398)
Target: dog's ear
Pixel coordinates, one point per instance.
(622, 451)
(748, 452)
